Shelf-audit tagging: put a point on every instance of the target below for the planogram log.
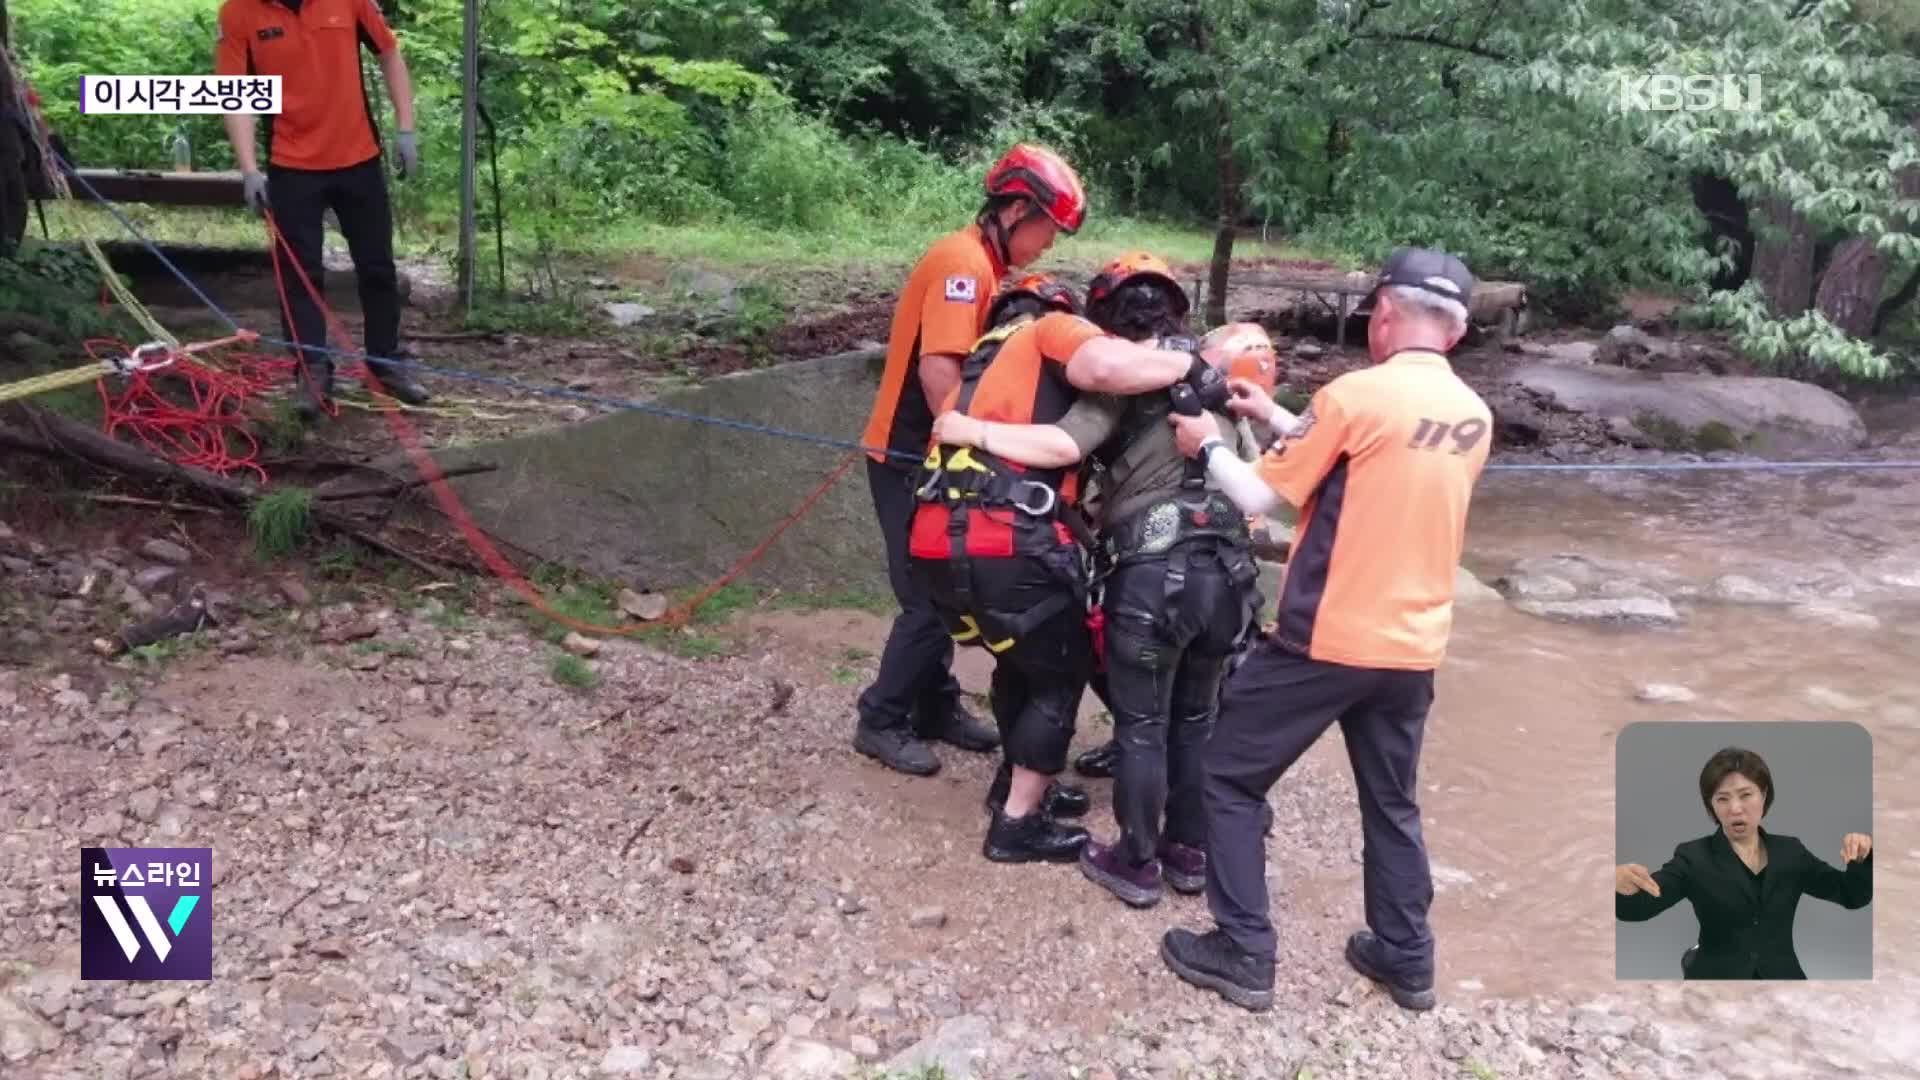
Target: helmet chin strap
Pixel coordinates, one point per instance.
(1002, 237)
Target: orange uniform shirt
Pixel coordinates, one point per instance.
(1018, 386)
(325, 121)
(1383, 473)
(942, 309)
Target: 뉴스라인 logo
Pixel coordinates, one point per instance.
(146, 913)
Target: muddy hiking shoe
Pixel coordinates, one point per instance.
(1060, 801)
(1032, 838)
(1408, 993)
(896, 749)
(959, 728)
(1183, 867)
(1135, 885)
(1212, 961)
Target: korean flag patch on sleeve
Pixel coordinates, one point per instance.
(962, 289)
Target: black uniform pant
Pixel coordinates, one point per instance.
(1275, 705)
(915, 680)
(357, 195)
(1165, 660)
(1029, 610)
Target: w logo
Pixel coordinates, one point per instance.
(143, 914)
(123, 892)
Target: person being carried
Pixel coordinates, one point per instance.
(1177, 594)
(1032, 195)
(993, 543)
(1382, 464)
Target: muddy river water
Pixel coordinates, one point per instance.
(1517, 776)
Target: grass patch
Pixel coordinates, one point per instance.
(281, 431)
(843, 675)
(279, 523)
(159, 652)
(573, 673)
(1480, 1070)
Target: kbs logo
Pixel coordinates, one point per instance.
(146, 913)
(1690, 93)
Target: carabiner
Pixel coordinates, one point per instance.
(1044, 510)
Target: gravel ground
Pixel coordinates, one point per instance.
(432, 860)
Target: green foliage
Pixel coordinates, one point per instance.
(280, 522)
(574, 673)
(1804, 345)
(60, 286)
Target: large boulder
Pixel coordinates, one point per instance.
(1703, 412)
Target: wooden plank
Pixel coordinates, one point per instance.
(163, 188)
(1490, 298)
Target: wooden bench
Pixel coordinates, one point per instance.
(159, 188)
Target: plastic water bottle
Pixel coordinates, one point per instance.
(182, 151)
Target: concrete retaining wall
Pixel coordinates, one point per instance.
(662, 502)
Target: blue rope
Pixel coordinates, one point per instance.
(849, 444)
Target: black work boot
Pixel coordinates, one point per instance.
(1214, 962)
(1061, 800)
(1100, 761)
(312, 390)
(398, 383)
(1408, 993)
(959, 728)
(1032, 838)
(895, 748)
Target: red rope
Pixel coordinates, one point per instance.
(199, 435)
(409, 438)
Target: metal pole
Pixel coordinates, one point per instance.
(469, 122)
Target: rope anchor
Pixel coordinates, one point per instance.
(139, 359)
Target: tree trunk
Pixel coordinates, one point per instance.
(1229, 217)
(13, 160)
(1849, 293)
(1718, 200)
(1783, 258)
(1850, 289)
(1901, 298)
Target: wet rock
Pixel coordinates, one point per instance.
(1836, 616)
(1664, 694)
(166, 551)
(1680, 409)
(154, 578)
(927, 918)
(1740, 589)
(627, 314)
(804, 1059)
(1633, 610)
(1536, 587)
(1468, 589)
(959, 1048)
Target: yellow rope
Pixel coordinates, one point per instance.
(58, 380)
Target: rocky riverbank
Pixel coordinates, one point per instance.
(441, 850)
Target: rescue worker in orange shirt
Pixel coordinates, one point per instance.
(323, 152)
(998, 547)
(1032, 195)
(1382, 464)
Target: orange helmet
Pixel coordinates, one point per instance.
(1132, 265)
(1243, 350)
(1040, 292)
(1046, 178)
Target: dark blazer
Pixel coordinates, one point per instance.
(1746, 920)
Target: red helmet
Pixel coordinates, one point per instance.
(1046, 178)
(1243, 351)
(1135, 264)
(1040, 291)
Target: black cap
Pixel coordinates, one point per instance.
(1423, 268)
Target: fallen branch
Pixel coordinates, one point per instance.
(398, 485)
(184, 618)
(54, 436)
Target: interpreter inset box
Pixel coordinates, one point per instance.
(1743, 851)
